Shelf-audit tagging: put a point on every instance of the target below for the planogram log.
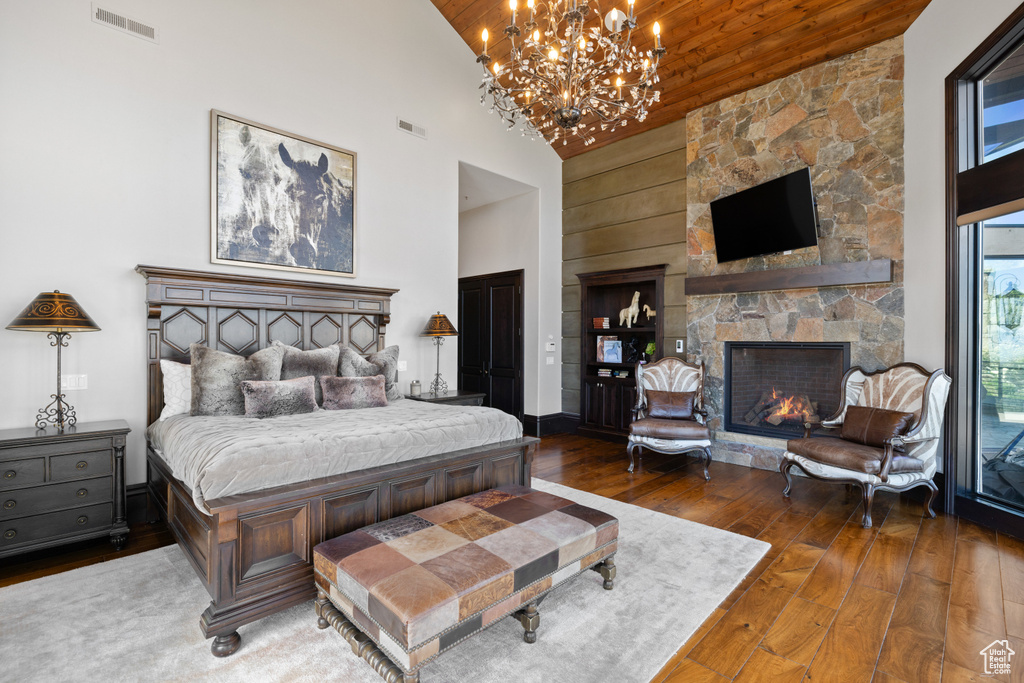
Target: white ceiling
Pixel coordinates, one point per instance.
(478, 187)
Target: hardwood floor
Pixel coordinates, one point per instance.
(909, 600)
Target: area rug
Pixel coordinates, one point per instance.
(137, 618)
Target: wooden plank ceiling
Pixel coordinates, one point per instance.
(716, 48)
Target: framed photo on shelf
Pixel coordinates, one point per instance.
(280, 200)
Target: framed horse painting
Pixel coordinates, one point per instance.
(280, 200)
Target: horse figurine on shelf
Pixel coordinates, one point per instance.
(628, 316)
(649, 312)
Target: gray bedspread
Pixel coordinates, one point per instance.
(224, 456)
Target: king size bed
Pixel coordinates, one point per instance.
(247, 499)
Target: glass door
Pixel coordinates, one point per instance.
(999, 457)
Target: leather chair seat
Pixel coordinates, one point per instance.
(659, 428)
(849, 455)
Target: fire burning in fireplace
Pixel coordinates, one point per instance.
(776, 409)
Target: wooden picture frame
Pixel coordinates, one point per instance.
(279, 200)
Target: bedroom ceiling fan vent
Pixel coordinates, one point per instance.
(124, 24)
(412, 128)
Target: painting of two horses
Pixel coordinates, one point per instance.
(281, 200)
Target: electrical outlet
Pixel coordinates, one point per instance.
(679, 345)
(403, 365)
(74, 382)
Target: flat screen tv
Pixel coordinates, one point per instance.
(767, 219)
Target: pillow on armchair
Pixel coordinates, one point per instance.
(670, 405)
(872, 426)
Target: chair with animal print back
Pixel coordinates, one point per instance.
(669, 414)
(888, 423)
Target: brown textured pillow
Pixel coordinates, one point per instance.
(345, 393)
(872, 426)
(671, 405)
(282, 397)
(216, 376)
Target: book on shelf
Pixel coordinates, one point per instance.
(604, 372)
(612, 351)
(601, 339)
(601, 323)
(621, 373)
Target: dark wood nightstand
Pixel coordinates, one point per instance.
(454, 397)
(56, 487)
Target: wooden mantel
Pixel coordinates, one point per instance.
(830, 275)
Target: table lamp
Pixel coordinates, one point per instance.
(439, 327)
(58, 315)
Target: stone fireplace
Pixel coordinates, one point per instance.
(844, 120)
(773, 388)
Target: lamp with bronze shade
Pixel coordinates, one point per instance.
(58, 315)
(439, 327)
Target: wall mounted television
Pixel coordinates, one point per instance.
(773, 217)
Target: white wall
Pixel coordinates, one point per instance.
(937, 42)
(501, 236)
(105, 165)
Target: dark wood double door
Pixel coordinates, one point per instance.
(491, 339)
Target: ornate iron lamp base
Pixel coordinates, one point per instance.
(58, 412)
(438, 386)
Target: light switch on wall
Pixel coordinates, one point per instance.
(550, 347)
(551, 360)
(403, 365)
(679, 345)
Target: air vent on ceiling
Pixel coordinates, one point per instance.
(412, 128)
(124, 24)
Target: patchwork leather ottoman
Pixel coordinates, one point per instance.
(404, 591)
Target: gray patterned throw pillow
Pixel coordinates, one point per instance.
(346, 393)
(283, 397)
(385, 363)
(313, 363)
(217, 377)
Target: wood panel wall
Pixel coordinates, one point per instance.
(623, 205)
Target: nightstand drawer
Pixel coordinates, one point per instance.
(15, 532)
(77, 465)
(21, 472)
(37, 499)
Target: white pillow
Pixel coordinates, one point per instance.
(177, 388)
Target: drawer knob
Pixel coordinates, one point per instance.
(82, 464)
(9, 534)
(82, 520)
(9, 504)
(10, 474)
(82, 493)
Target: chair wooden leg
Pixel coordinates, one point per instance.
(784, 467)
(869, 496)
(933, 490)
(706, 458)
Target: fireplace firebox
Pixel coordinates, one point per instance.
(773, 388)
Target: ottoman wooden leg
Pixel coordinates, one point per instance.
(530, 619)
(607, 571)
(318, 607)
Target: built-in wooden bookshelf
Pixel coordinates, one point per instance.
(606, 402)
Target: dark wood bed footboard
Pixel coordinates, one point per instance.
(254, 552)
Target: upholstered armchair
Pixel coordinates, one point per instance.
(669, 414)
(888, 425)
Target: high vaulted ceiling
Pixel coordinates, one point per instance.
(716, 48)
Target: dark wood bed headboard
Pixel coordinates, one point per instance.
(242, 314)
